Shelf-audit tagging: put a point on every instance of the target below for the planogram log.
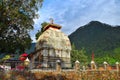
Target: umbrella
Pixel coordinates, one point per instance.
(24, 55)
(22, 58)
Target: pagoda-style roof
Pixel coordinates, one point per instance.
(52, 26)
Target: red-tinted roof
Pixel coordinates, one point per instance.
(53, 26)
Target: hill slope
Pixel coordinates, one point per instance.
(97, 37)
(32, 48)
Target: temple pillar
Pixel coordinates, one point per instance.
(58, 66)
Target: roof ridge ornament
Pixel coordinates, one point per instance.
(51, 20)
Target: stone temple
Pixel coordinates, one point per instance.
(52, 45)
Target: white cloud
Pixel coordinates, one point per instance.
(72, 14)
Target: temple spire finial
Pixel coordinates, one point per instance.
(51, 20)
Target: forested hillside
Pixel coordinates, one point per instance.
(97, 37)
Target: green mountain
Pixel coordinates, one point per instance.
(32, 48)
(97, 37)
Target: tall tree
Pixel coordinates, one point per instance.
(16, 21)
(78, 55)
(42, 30)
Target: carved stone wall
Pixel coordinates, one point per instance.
(53, 45)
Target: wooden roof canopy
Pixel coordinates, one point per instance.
(51, 25)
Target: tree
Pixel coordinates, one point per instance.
(108, 58)
(78, 55)
(42, 30)
(16, 21)
(117, 54)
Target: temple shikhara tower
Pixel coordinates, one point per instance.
(52, 45)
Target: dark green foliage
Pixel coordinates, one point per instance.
(98, 37)
(78, 55)
(16, 21)
(42, 30)
(31, 49)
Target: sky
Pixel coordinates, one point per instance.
(71, 14)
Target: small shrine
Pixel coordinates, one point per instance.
(52, 45)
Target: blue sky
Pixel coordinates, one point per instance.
(71, 14)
